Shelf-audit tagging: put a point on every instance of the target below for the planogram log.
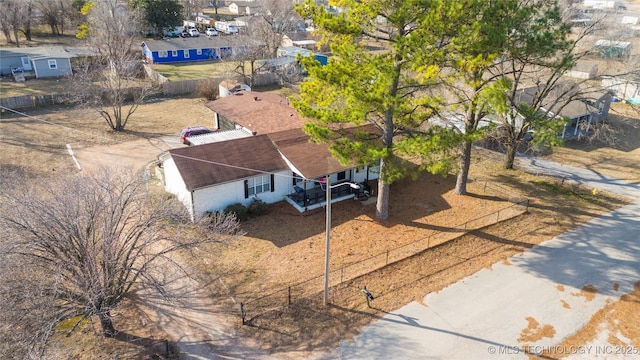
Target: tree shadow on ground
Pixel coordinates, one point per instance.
(283, 225)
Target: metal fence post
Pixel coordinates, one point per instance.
(289, 303)
(387, 261)
(242, 313)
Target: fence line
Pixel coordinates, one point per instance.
(283, 296)
(32, 101)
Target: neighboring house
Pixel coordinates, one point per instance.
(245, 8)
(301, 39)
(36, 62)
(581, 113)
(265, 155)
(620, 50)
(624, 87)
(202, 48)
(293, 51)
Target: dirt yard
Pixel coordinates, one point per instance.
(284, 247)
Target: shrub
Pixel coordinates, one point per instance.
(257, 207)
(221, 223)
(240, 211)
(207, 89)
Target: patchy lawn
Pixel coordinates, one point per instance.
(285, 247)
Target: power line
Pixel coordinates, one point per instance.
(173, 155)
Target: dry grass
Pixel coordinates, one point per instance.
(616, 154)
(284, 247)
(287, 248)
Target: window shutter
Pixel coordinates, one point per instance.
(273, 185)
(246, 189)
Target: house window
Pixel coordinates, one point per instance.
(342, 175)
(174, 53)
(186, 54)
(258, 185)
(163, 54)
(600, 107)
(198, 51)
(53, 64)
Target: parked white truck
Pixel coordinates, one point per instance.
(226, 28)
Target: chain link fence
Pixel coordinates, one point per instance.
(251, 308)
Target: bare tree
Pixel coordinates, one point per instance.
(14, 18)
(113, 82)
(246, 57)
(57, 14)
(277, 18)
(76, 246)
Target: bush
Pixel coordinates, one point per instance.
(257, 207)
(207, 89)
(240, 211)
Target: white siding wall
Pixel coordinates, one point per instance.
(220, 196)
(174, 184)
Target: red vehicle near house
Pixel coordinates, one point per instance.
(192, 131)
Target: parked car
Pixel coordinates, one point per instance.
(193, 32)
(211, 32)
(193, 131)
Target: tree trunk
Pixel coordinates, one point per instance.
(509, 156)
(382, 203)
(465, 163)
(15, 34)
(107, 324)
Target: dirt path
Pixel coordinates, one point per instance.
(136, 154)
(190, 318)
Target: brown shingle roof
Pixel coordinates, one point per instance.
(232, 160)
(269, 113)
(312, 160)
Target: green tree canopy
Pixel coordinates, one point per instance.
(390, 88)
(160, 14)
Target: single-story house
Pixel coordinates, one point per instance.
(623, 87)
(36, 62)
(173, 50)
(281, 166)
(244, 7)
(262, 154)
(580, 111)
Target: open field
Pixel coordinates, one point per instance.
(284, 247)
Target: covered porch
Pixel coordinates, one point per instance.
(316, 197)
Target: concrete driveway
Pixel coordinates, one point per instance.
(531, 302)
(136, 154)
